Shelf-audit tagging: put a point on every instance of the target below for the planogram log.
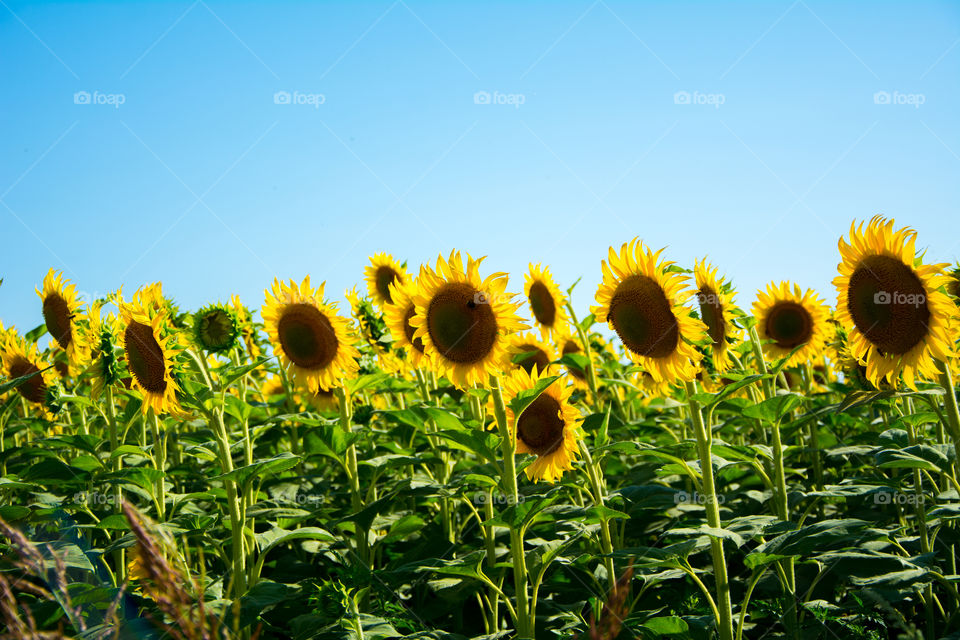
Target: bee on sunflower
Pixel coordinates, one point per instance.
(715, 297)
(892, 304)
(20, 358)
(789, 319)
(150, 348)
(640, 299)
(382, 272)
(546, 301)
(314, 343)
(526, 351)
(398, 316)
(463, 320)
(60, 314)
(547, 428)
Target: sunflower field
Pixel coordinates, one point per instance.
(444, 459)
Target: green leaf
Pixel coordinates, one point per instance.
(526, 397)
(230, 374)
(827, 535)
(774, 409)
(275, 537)
(277, 464)
(16, 382)
(666, 625)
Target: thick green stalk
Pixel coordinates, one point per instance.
(596, 488)
(233, 506)
(712, 507)
(353, 474)
(511, 490)
(119, 556)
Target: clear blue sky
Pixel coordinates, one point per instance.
(201, 180)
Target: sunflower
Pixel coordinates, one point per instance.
(312, 342)
(272, 387)
(149, 345)
(567, 344)
(101, 336)
(20, 359)
(60, 311)
(382, 272)
(546, 301)
(321, 400)
(791, 319)
(898, 319)
(547, 428)
(247, 329)
(398, 316)
(715, 297)
(640, 298)
(464, 320)
(525, 351)
(215, 328)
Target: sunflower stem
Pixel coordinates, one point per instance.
(594, 475)
(953, 412)
(510, 488)
(356, 494)
(712, 506)
(585, 345)
(119, 556)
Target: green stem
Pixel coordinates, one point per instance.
(596, 488)
(353, 474)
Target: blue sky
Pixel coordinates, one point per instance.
(182, 163)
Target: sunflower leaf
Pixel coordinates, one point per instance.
(528, 396)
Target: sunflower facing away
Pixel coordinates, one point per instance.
(546, 301)
(715, 298)
(149, 345)
(312, 342)
(547, 428)
(790, 319)
(463, 320)
(398, 316)
(640, 299)
(526, 351)
(215, 328)
(21, 359)
(60, 307)
(383, 271)
(896, 316)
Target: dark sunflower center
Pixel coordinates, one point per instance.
(145, 357)
(386, 276)
(462, 327)
(532, 355)
(56, 315)
(409, 329)
(33, 389)
(542, 303)
(888, 304)
(641, 316)
(712, 313)
(789, 325)
(572, 347)
(307, 337)
(540, 425)
(216, 329)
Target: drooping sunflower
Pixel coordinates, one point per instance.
(891, 303)
(22, 359)
(60, 311)
(547, 428)
(715, 297)
(526, 351)
(383, 271)
(791, 319)
(150, 347)
(398, 316)
(312, 341)
(215, 328)
(546, 301)
(641, 299)
(463, 320)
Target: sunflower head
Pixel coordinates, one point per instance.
(150, 348)
(21, 358)
(526, 351)
(547, 428)
(547, 303)
(248, 329)
(313, 343)
(892, 304)
(215, 328)
(398, 316)
(715, 299)
(789, 320)
(60, 312)
(101, 335)
(568, 344)
(463, 320)
(641, 298)
(382, 272)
